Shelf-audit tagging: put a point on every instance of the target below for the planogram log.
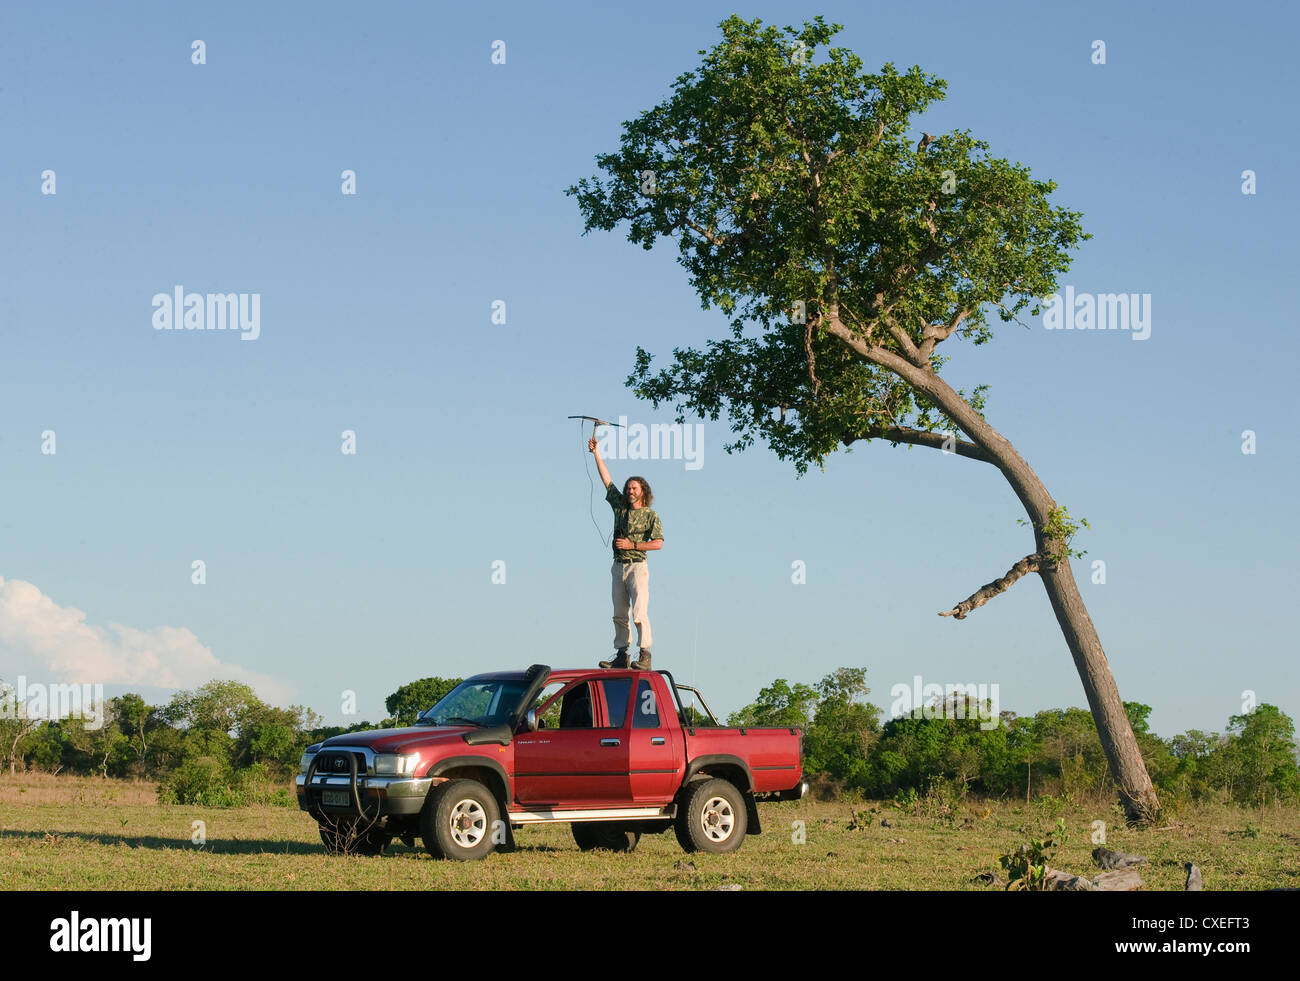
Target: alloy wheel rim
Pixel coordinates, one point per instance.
(718, 819)
(468, 823)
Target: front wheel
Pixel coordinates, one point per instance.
(712, 818)
(460, 821)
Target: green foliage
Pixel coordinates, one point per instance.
(778, 705)
(218, 744)
(1137, 717)
(222, 746)
(206, 781)
(955, 755)
(839, 725)
(1026, 867)
(276, 742)
(794, 184)
(226, 721)
(16, 728)
(268, 734)
(1261, 756)
(845, 726)
(133, 715)
(46, 747)
(321, 733)
(1054, 757)
(166, 747)
(1058, 532)
(695, 717)
(1252, 764)
(1048, 806)
(405, 705)
(907, 798)
(218, 706)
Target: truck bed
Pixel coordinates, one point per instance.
(773, 755)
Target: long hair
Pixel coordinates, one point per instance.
(647, 495)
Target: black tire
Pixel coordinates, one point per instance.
(609, 835)
(460, 820)
(679, 822)
(712, 817)
(340, 840)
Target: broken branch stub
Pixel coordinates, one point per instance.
(1030, 563)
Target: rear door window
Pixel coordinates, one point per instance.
(617, 691)
(645, 713)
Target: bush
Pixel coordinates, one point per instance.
(259, 787)
(1026, 867)
(205, 781)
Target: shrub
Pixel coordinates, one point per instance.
(205, 781)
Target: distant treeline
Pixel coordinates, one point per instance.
(958, 750)
(221, 745)
(218, 745)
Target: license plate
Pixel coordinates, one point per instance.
(335, 798)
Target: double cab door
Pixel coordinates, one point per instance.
(582, 760)
(606, 746)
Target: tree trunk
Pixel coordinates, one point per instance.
(1116, 734)
(1117, 739)
(1113, 728)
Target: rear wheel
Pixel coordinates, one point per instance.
(712, 817)
(460, 821)
(609, 835)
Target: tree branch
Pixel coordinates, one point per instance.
(1030, 563)
(935, 333)
(812, 359)
(706, 232)
(920, 437)
(879, 310)
(910, 350)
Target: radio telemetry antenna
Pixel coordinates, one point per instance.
(595, 424)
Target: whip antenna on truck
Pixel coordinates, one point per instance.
(595, 424)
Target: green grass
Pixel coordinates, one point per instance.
(82, 833)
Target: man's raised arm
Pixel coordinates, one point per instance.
(600, 464)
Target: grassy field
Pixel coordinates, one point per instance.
(81, 833)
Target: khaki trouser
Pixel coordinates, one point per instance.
(631, 589)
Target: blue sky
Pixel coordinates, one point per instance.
(329, 572)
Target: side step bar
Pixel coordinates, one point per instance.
(548, 815)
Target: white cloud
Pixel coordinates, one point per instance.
(37, 636)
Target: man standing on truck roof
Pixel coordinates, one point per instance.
(636, 531)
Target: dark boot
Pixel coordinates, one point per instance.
(619, 660)
(642, 663)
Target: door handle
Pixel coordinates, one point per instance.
(657, 741)
(609, 742)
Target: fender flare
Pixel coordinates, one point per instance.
(713, 759)
(484, 762)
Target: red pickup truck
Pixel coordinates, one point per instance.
(613, 753)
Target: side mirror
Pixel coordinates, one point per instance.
(530, 722)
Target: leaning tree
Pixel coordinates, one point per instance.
(844, 252)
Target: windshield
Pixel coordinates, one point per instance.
(480, 703)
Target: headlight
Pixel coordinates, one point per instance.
(391, 763)
(305, 763)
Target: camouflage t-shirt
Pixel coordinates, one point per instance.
(636, 524)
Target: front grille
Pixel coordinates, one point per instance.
(336, 764)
